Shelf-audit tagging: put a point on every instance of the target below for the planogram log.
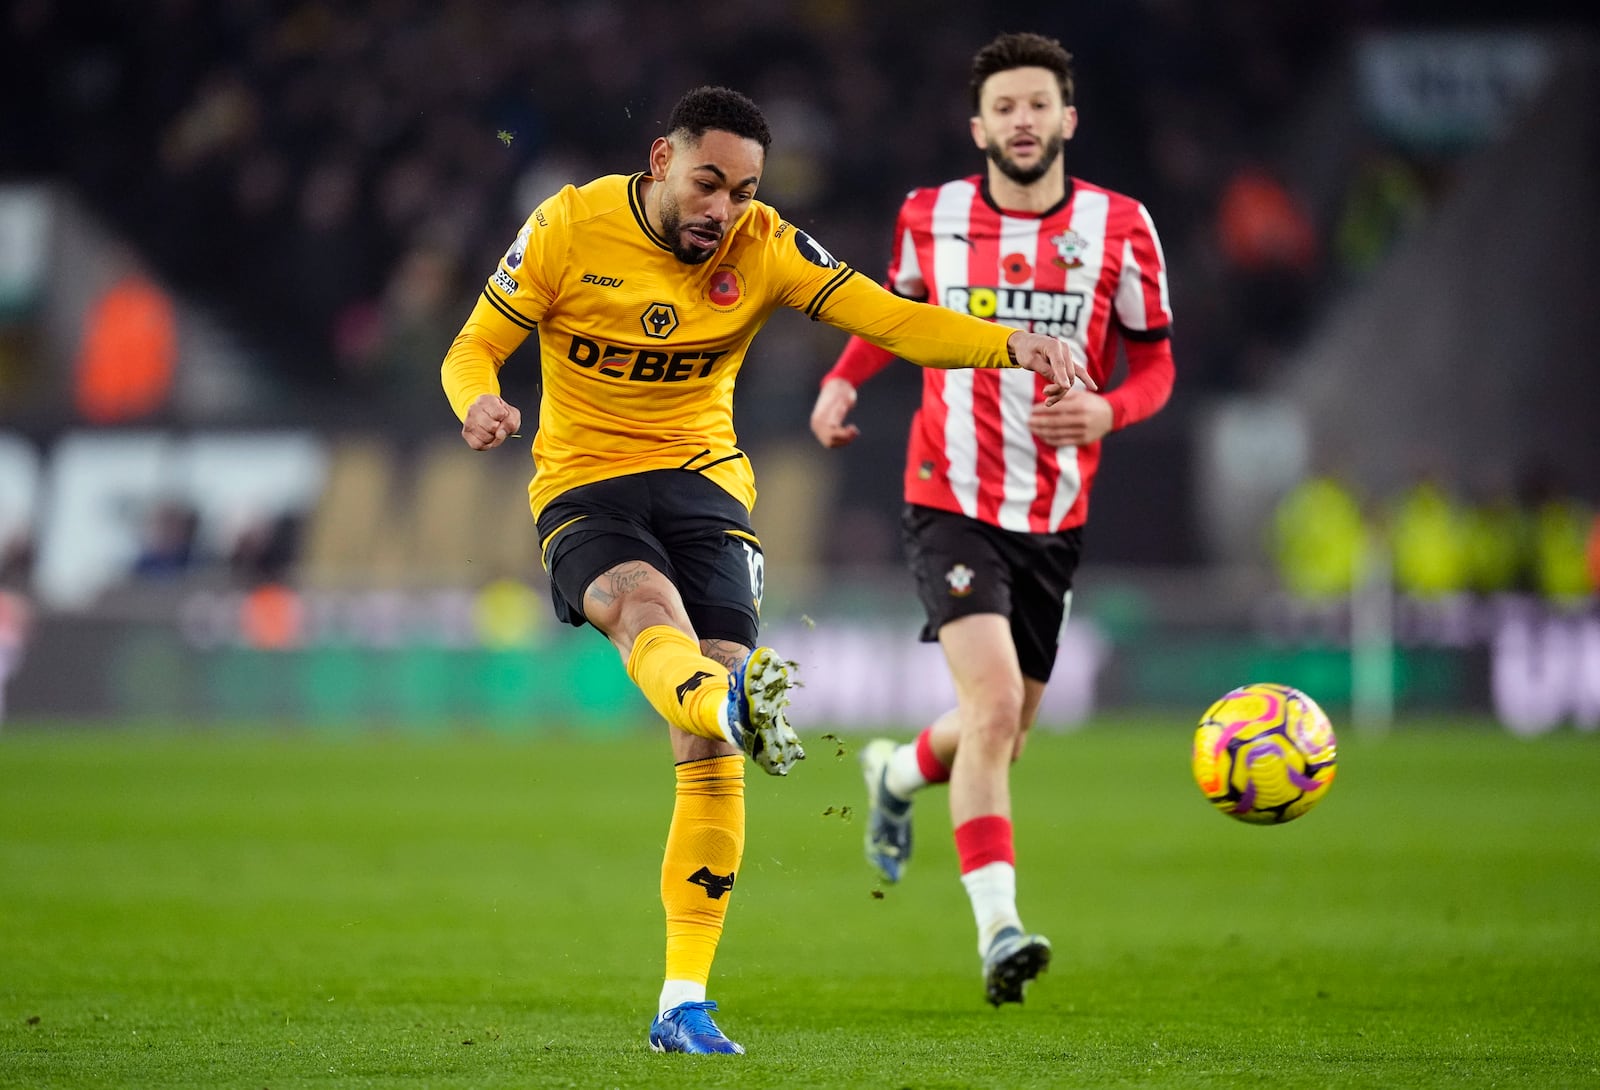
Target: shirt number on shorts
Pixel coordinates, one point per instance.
(758, 571)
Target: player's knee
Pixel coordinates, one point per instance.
(996, 724)
(645, 609)
(631, 598)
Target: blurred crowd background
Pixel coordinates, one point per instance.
(333, 180)
(266, 221)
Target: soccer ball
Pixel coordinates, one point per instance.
(1264, 754)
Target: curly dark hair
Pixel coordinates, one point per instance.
(1023, 50)
(706, 108)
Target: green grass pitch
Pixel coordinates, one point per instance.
(293, 909)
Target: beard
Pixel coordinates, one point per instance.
(1026, 175)
(672, 226)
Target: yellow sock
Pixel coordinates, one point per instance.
(704, 847)
(686, 688)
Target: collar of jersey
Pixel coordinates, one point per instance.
(1066, 198)
(636, 202)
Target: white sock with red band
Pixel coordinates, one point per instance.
(988, 870)
(903, 778)
(914, 766)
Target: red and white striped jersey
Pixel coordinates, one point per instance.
(1089, 270)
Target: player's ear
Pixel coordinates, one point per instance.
(978, 136)
(660, 158)
(1069, 121)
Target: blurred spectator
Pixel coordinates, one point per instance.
(16, 620)
(1270, 245)
(168, 548)
(19, 361)
(1262, 227)
(329, 256)
(390, 350)
(1594, 552)
(129, 353)
(1497, 545)
(1385, 200)
(218, 123)
(1428, 536)
(1560, 524)
(266, 551)
(1560, 543)
(16, 560)
(1319, 538)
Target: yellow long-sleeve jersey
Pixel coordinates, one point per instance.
(639, 350)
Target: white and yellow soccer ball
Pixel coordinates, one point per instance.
(1265, 754)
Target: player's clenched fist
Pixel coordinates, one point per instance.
(834, 402)
(490, 422)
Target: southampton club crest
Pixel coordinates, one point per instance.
(960, 579)
(1070, 247)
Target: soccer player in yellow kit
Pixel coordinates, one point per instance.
(646, 291)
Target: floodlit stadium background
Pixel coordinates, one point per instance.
(235, 243)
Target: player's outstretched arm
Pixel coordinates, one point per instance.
(490, 422)
(1062, 362)
(834, 402)
(931, 336)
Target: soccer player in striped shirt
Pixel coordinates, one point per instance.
(996, 480)
(646, 291)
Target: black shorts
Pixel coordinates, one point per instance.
(964, 566)
(680, 523)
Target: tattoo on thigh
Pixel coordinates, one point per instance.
(726, 652)
(621, 579)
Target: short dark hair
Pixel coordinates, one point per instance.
(1023, 50)
(706, 108)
